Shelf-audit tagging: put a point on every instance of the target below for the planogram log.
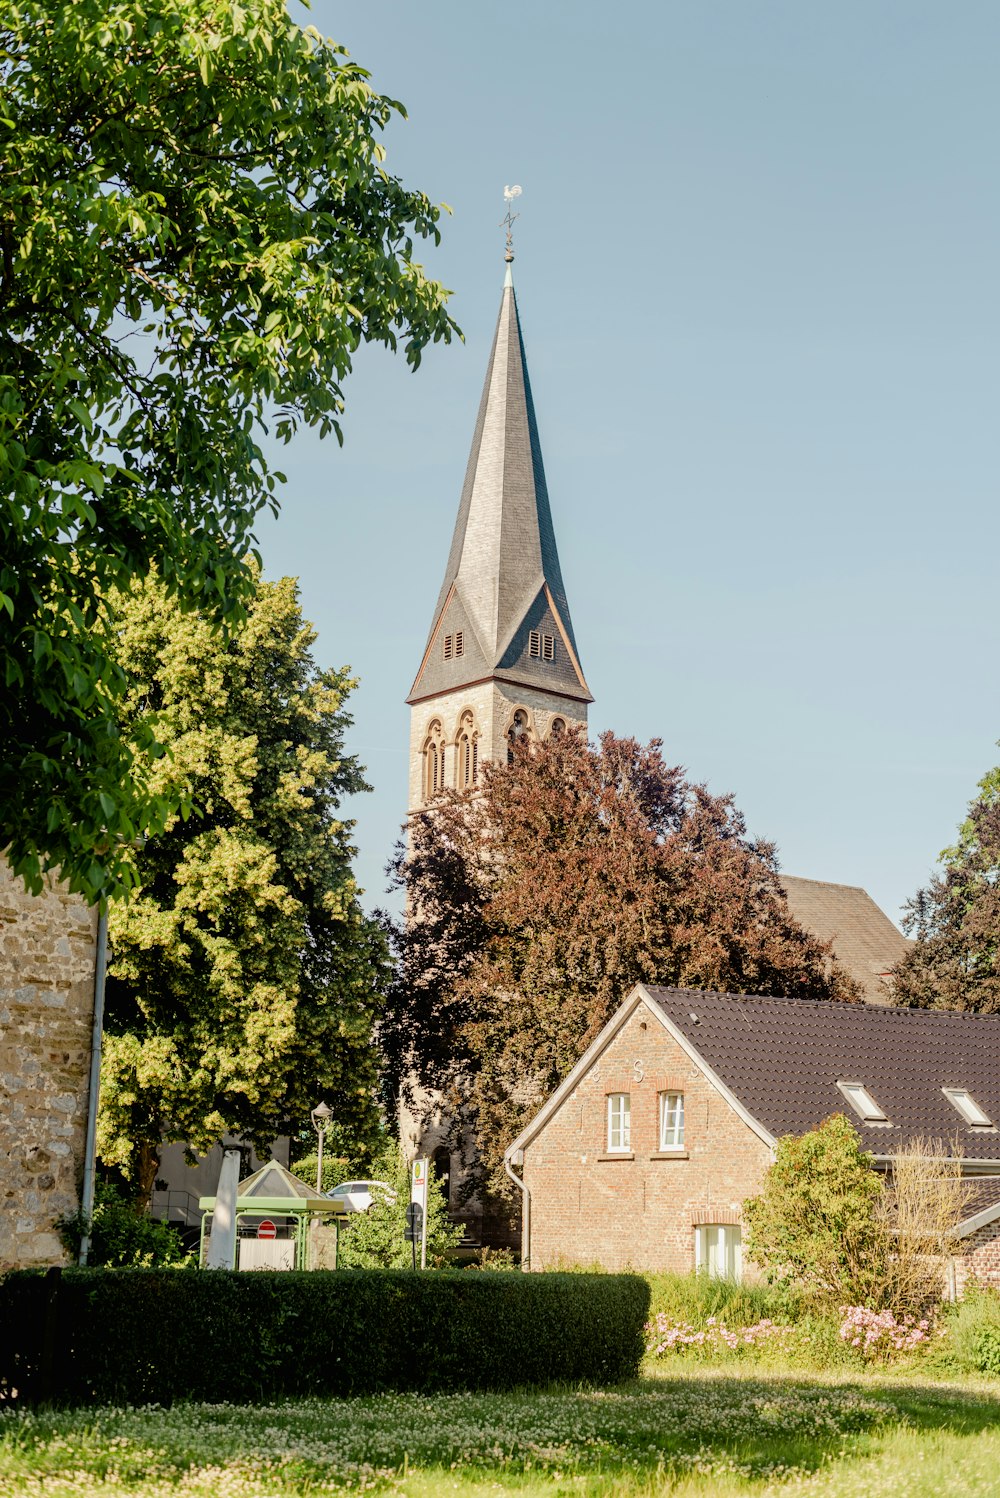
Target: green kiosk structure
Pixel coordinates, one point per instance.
(274, 1193)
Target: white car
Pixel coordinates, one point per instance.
(357, 1196)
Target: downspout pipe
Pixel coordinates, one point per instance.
(516, 1157)
(96, 1041)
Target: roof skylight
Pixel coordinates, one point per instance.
(968, 1107)
(863, 1103)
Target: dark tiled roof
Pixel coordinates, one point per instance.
(783, 1058)
(864, 939)
(981, 1196)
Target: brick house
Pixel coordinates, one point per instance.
(645, 1153)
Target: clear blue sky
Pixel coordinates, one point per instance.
(757, 268)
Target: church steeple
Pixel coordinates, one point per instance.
(502, 620)
(503, 578)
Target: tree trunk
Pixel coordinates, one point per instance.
(149, 1165)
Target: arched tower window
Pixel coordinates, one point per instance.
(518, 728)
(442, 1170)
(433, 761)
(558, 728)
(467, 768)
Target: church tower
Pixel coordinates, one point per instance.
(501, 657)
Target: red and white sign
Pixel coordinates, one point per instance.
(266, 1229)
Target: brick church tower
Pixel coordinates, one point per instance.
(501, 658)
(500, 661)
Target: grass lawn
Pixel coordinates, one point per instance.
(721, 1431)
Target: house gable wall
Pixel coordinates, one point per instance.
(638, 1212)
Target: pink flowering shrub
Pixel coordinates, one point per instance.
(665, 1334)
(878, 1334)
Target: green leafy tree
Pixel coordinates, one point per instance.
(245, 976)
(573, 873)
(376, 1239)
(955, 961)
(819, 1220)
(196, 234)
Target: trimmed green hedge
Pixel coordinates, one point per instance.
(154, 1336)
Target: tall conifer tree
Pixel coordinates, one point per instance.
(955, 960)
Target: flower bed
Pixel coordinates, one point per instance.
(878, 1334)
(663, 1335)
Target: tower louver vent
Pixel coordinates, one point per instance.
(541, 647)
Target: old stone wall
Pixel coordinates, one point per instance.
(637, 1209)
(47, 953)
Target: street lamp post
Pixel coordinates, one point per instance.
(321, 1116)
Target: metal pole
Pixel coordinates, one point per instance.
(526, 1210)
(319, 1162)
(96, 1039)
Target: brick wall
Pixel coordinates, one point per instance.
(979, 1255)
(47, 950)
(637, 1211)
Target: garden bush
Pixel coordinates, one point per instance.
(695, 1297)
(121, 1237)
(694, 1318)
(137, 1336)
(972, 1333)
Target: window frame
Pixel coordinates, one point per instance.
(953, 1094)
(864, 1105)
(623, 1123)
(677, 1142)
(732, 1250)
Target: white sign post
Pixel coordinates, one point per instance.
(222, 1244)
(419, 1173)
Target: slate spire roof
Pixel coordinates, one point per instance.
(503, 578)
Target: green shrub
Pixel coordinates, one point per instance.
(376, 1239)
(121, 1237)
(153, 1336)
(972, 1333)
(817, 1222)
(336, 1168)
(695, 1297)
(695, 1303)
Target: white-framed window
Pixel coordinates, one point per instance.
(862, 1102)
(718, 1250)
(968, 1107)
(671, 1120)
(619, 1123)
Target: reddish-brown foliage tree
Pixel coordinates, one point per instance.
(539, 901)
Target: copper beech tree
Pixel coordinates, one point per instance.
(534, 905)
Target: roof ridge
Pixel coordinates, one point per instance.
(839, 1005)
